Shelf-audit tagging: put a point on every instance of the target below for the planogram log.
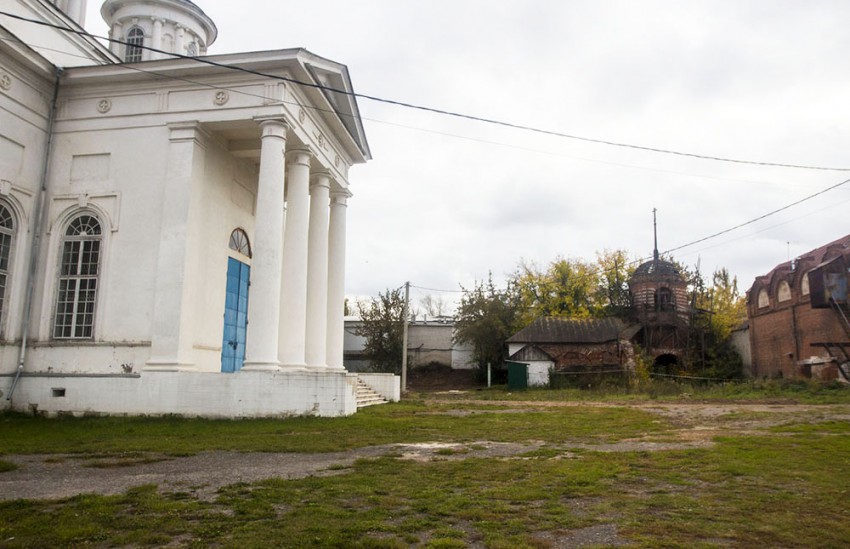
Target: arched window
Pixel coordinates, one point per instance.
(664, 300)
(79, 267)
(783, 292)
(804, 284)
(135, 41)
(7, 233)
(764, 299)
(239, 242)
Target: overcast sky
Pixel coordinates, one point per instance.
(445, 200)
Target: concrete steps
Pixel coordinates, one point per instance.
(366, 396)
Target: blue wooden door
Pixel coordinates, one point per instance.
(235, 316)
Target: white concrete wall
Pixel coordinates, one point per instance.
(241, 395)
(429, 342)
(386, 385)
(538, 373)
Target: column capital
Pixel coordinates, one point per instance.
(273, 126)
(300, 155)
(320, 179)
(340, 197)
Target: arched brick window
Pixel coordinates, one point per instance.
(764, 299)
(783, 292)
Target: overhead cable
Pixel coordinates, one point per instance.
(453, 114)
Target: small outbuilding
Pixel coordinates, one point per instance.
(574, 345)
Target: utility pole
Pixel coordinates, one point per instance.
(404, 338)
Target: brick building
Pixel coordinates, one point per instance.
(797, 315)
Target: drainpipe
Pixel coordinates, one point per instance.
(36, 235)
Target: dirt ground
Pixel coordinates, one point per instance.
(61, 476)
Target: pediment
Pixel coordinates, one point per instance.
(334, 83)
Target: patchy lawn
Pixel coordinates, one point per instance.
(441, 472)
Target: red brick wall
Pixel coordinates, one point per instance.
(777, 346)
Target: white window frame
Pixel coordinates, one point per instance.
(133, 44)
(78, 322)
(8, 233)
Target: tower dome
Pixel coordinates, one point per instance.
(172, 26)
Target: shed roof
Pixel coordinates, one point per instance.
(570, 330)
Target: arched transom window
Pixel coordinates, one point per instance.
(78, 279)
(7, 233)
(239, 242)
(135, 41)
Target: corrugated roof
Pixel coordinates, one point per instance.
(570, 330)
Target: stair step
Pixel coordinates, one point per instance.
(366, 396)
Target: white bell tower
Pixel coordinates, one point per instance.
(172, 26)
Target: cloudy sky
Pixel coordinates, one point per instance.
(447, 200)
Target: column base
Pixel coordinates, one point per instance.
(260, 367)
(294, 367)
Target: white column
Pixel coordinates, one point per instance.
(317, 273)
(178, 41)
(293, 325)
(117, 33)
(336, 279)
(264, 305)
(156, 38)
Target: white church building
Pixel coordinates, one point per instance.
(172, 227)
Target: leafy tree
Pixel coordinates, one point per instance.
(613, 271)
(565, 289)
(486, 318)
(720, 308)
(383, 328)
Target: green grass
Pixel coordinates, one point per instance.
(786, 391)
(782, 487)
(407, 422)
(748, 492)
(7, 466)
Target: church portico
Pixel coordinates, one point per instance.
(215, 202)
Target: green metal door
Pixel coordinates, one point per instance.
(517, 375)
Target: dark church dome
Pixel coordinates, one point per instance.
(658, 267)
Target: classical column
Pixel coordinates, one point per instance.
(336, 279)
(264, 310)
(317, 273)
(156, 38)
(172, 330)
(117, 33)
(293, 325)
(178, 41)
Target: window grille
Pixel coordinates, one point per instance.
(7, 232)
(239, 242)
(78, 279)
(135, 41)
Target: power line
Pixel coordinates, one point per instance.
(759, 218)
(433, 110)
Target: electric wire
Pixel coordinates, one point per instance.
(434, 110)
(327, 88)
